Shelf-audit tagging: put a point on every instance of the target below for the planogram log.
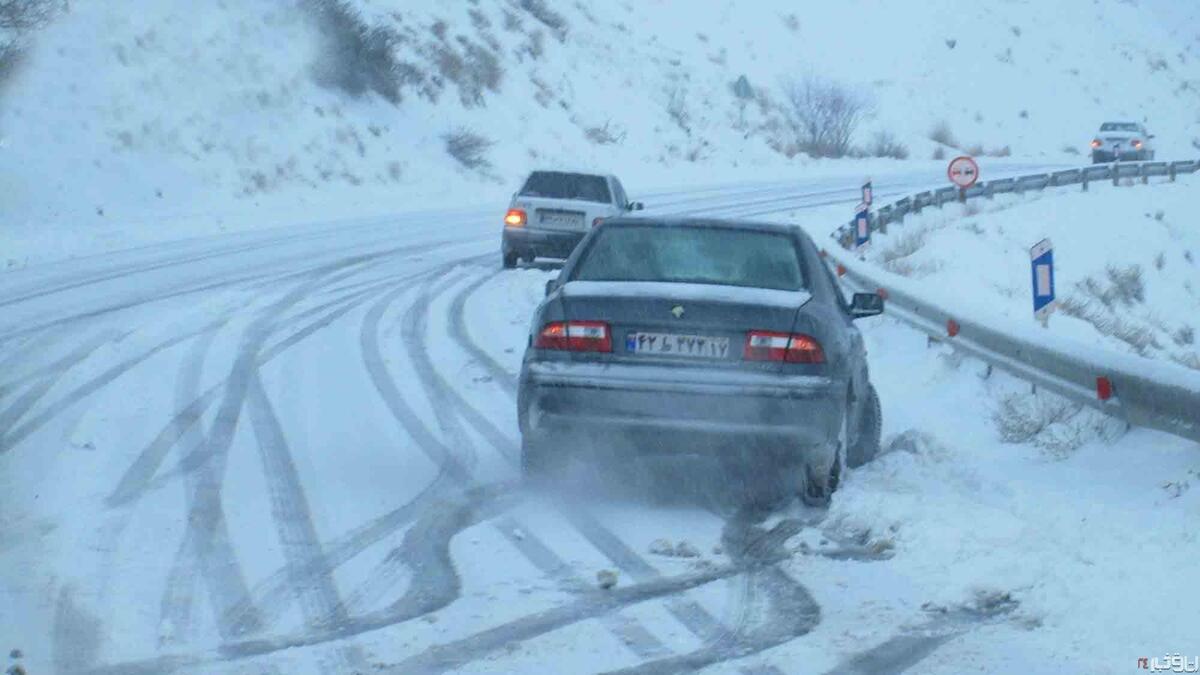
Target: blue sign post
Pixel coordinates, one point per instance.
(867, 192)
(1041, 258)
(862, 225)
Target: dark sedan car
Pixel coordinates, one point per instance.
(701, 336)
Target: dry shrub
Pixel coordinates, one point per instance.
(823, 114)
(468, 148)
(357, 58)
(548, 17)
(940, 133)
(884, 144)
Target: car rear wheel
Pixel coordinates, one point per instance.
(510, 260)
(820, 483)
(865, 446)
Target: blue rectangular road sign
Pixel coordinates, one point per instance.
(1041, 258)
(862, 225)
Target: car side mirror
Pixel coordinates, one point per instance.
(551, 285)
(636, 206)
(866, 304)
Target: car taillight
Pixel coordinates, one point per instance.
(575, 336)
(596, 221)
(1096, 142)
(1136, 143)
(764, 345)
(515, 218)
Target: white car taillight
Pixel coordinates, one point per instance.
(764, 345)
(575, 336)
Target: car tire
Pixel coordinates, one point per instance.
(820, 483)
(510, 260)
(866, 446)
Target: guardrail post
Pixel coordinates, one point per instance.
(1171, 172)
(1116, 174)
(962, 195)
(1145, 173)
(1083, 179)
(988, 190)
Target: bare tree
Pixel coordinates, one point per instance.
(25, 15)
(823, 114)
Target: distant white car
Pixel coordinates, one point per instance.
(1126, 141)
(552, 211)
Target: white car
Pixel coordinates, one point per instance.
(1125, 141)
(552, 211)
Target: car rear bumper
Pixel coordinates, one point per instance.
(530, 242)
(689, 409)
(1101, 156)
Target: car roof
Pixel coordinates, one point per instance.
(580, 172)
(1120, 122)
(684, 221)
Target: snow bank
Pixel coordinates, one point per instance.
(1127, 264)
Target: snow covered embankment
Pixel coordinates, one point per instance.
(1127, 263)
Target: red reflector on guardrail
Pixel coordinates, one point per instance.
(951, 327)
(841, 270)
(1104, 388)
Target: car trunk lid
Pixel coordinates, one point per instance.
(703, 325)
(560, 214)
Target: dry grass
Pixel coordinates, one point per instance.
(1049, 422)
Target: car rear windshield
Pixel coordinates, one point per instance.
(683, 254)
(1118, 126)
(558, 185)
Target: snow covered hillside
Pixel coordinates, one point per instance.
(1127, 262)
(129, 122)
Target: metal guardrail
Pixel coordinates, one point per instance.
(896, 211)
(1143, 392)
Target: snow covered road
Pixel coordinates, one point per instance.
(296, 452)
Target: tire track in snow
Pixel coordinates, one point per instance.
(139, 477)
(95, 384)
(448, 402)
(175, 609)
(311, 578)
(425, 549)
(206, 539)
(46, 378)
(450, 655)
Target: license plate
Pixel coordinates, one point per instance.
(562, 220)
(693, 346)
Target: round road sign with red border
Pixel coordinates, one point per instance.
(963, 172)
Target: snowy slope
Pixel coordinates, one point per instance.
(1127, 262)
(136, 122)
